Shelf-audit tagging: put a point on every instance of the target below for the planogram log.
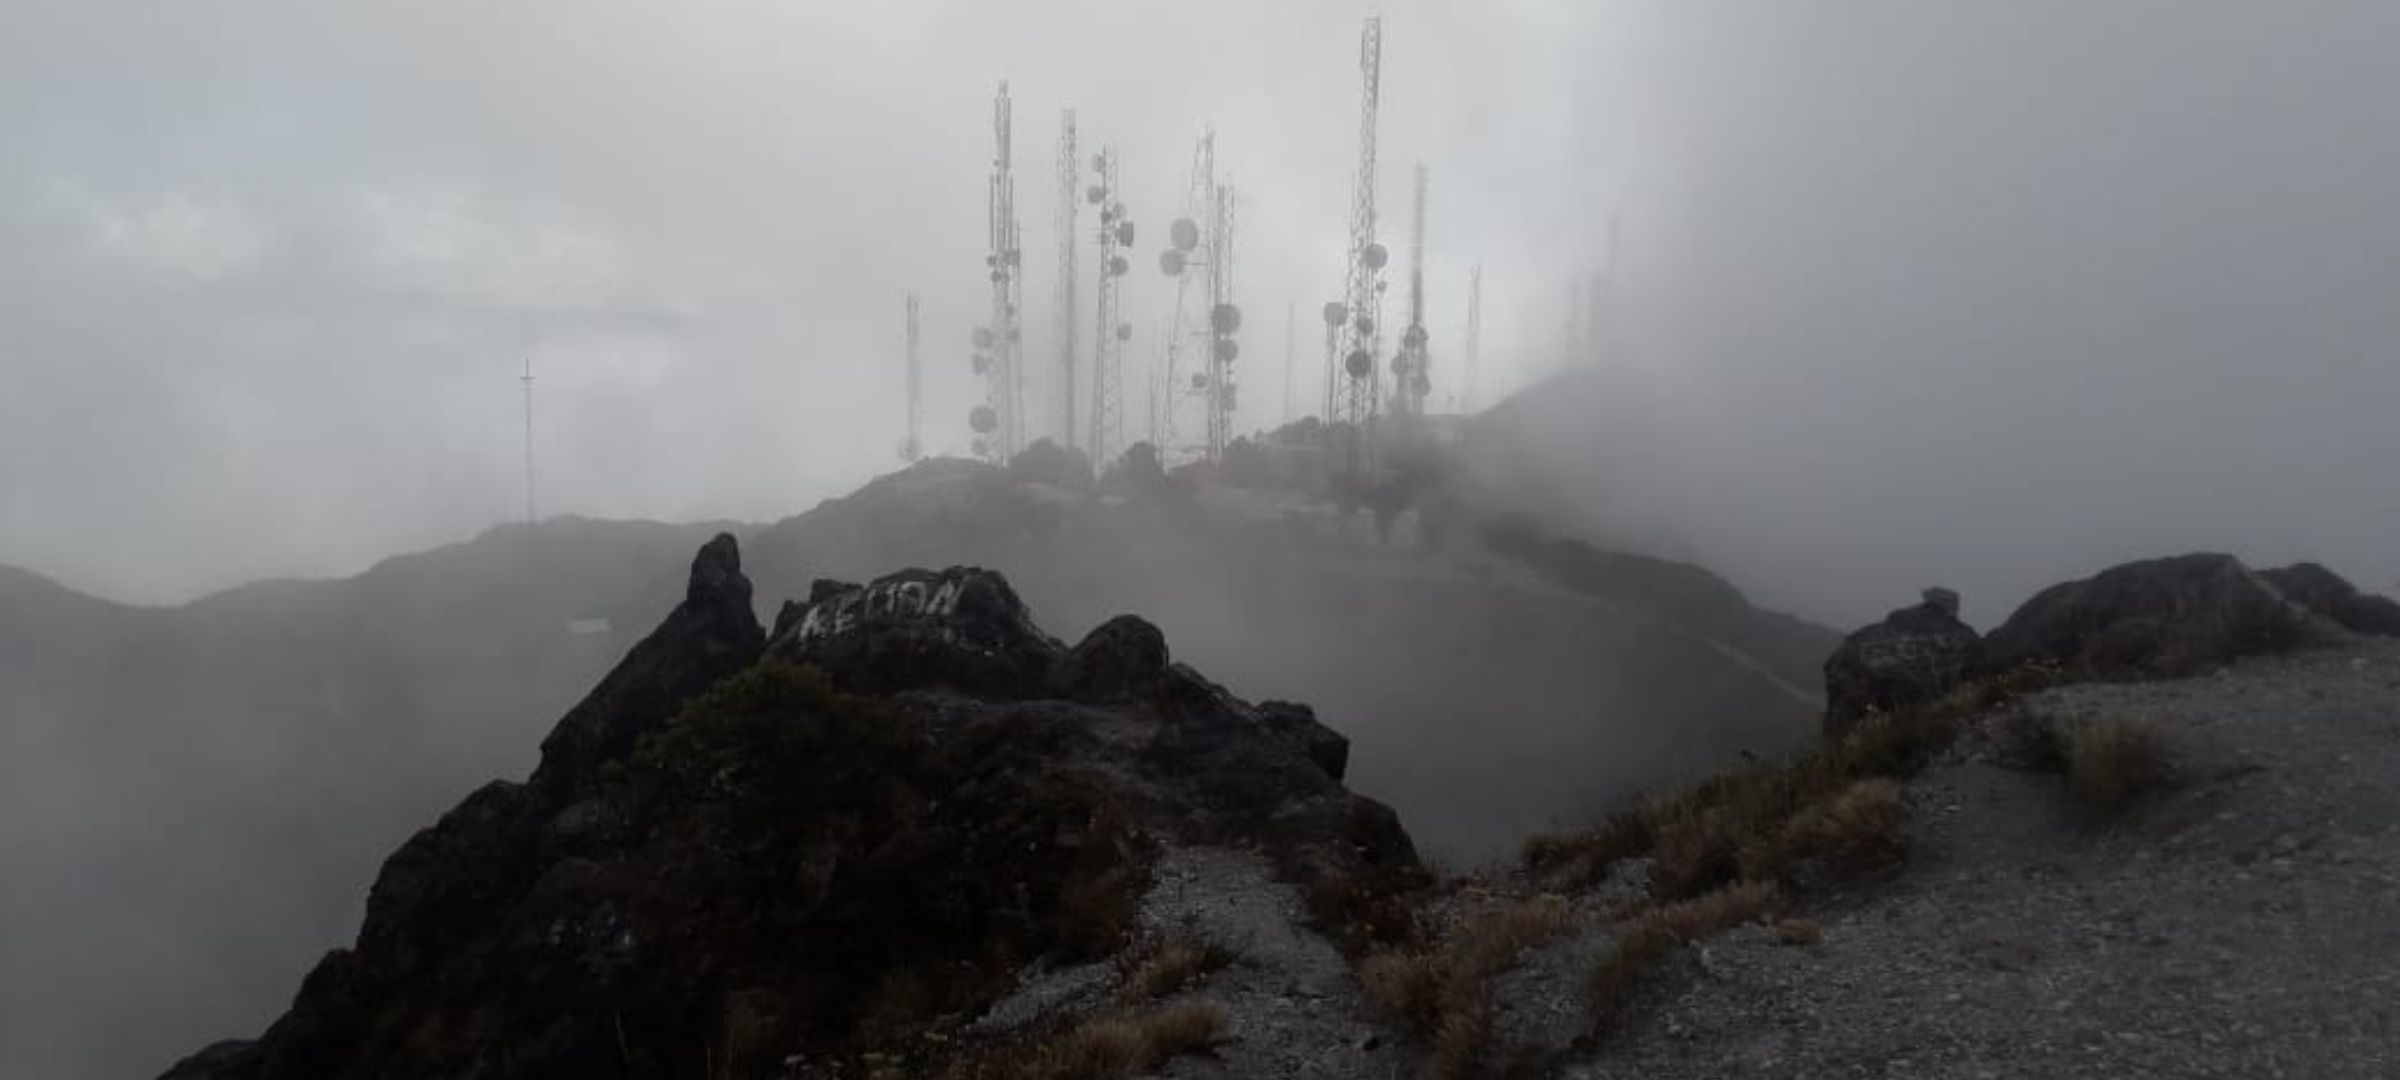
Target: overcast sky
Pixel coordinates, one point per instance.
(1924, 285)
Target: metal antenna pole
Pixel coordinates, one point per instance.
(1291, 316)
(1110, 332)
(998, 422)
(1069, 167)
(1412, 368)
(912, 447)
(1471, 380)
(527, 379)
(1364, 291)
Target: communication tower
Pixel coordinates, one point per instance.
(1110, 332)
(1412, 366)
(911, 447)
(1069, 167)
(1291, 315)
(998, 422)
(527, 380)
(1471, 376)
(1361, 375)
(1194, 245)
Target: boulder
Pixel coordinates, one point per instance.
(2326, 593)
(2154, 618)
(1915, 655)
(961, 629)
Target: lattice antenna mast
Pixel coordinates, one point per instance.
(1110, 331)
(912, 446)
(527, 380)
(998, 421)
(1291, 322)
(1360, 368)
(1069, 169)
(1471, 377)
(1210, 247)
(1412, 369)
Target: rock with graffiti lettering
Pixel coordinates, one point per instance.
(1915, 654)
(961, 629)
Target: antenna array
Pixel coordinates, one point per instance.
(1110, 334)
(1355, 403)
(997, 422)
(1069, 166)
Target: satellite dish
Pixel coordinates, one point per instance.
(1171, 261)
(1185, 234)
(1227, 350)
(1125, 233)
(1374, 256)
(983, 364)
(1099, 162)
(1225, 395)
(1225, 318)
(1016, 333)
(1094, 194)
(1359, 364)
(1423, 386)
(983, 420)
(983, 337)
(1118, 264)
(999, 275)
(1124, 331)
(1365, 324)
(1336, 312)
(1116, 209)
(1414, 338)
(1199, 382)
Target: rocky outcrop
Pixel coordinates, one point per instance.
(2322, 591)
(1915, 655)
(2154, 618)
(864, 830)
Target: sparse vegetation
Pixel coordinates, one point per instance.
(1647, 938)
(1171, 966)
(1442, 990)
(1107, 1047)
(1799, 932)
(2114, 762)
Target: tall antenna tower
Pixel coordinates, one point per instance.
(911, 446)
(1602, 312)
(1111, 332)
(1364, 293)
(1209, 247)
(1412, 368)
(527, 380)
(1069, 168)
(998, 422)
(1291, 316)
(1471, 378)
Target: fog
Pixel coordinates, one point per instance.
(1985, 296)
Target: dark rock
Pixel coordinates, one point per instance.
(788, 856)
(2155, 618)
(960, 629)
(712, 634)
(1046, 462)
(1123, 658)
(2326, 593)
(1298, 724)
(1915, 655)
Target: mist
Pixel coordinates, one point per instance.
(1905, 294)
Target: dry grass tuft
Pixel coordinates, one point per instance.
(1860, 829)
(1442, 991)
(1799, 932)
(1640, 945)
(1584, 856)
(1733, 905)
(1173, 966)
(1109, 1047)
(2113, 763)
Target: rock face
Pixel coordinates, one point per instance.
(735, 850)
(2155, 618)
(2322, 591)
(1916, 654)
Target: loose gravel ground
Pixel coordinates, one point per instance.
(2245, 923)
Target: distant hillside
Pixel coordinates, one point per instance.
(247, 756)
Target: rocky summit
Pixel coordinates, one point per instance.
(874, 838)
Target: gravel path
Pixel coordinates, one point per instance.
(2244, 924)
